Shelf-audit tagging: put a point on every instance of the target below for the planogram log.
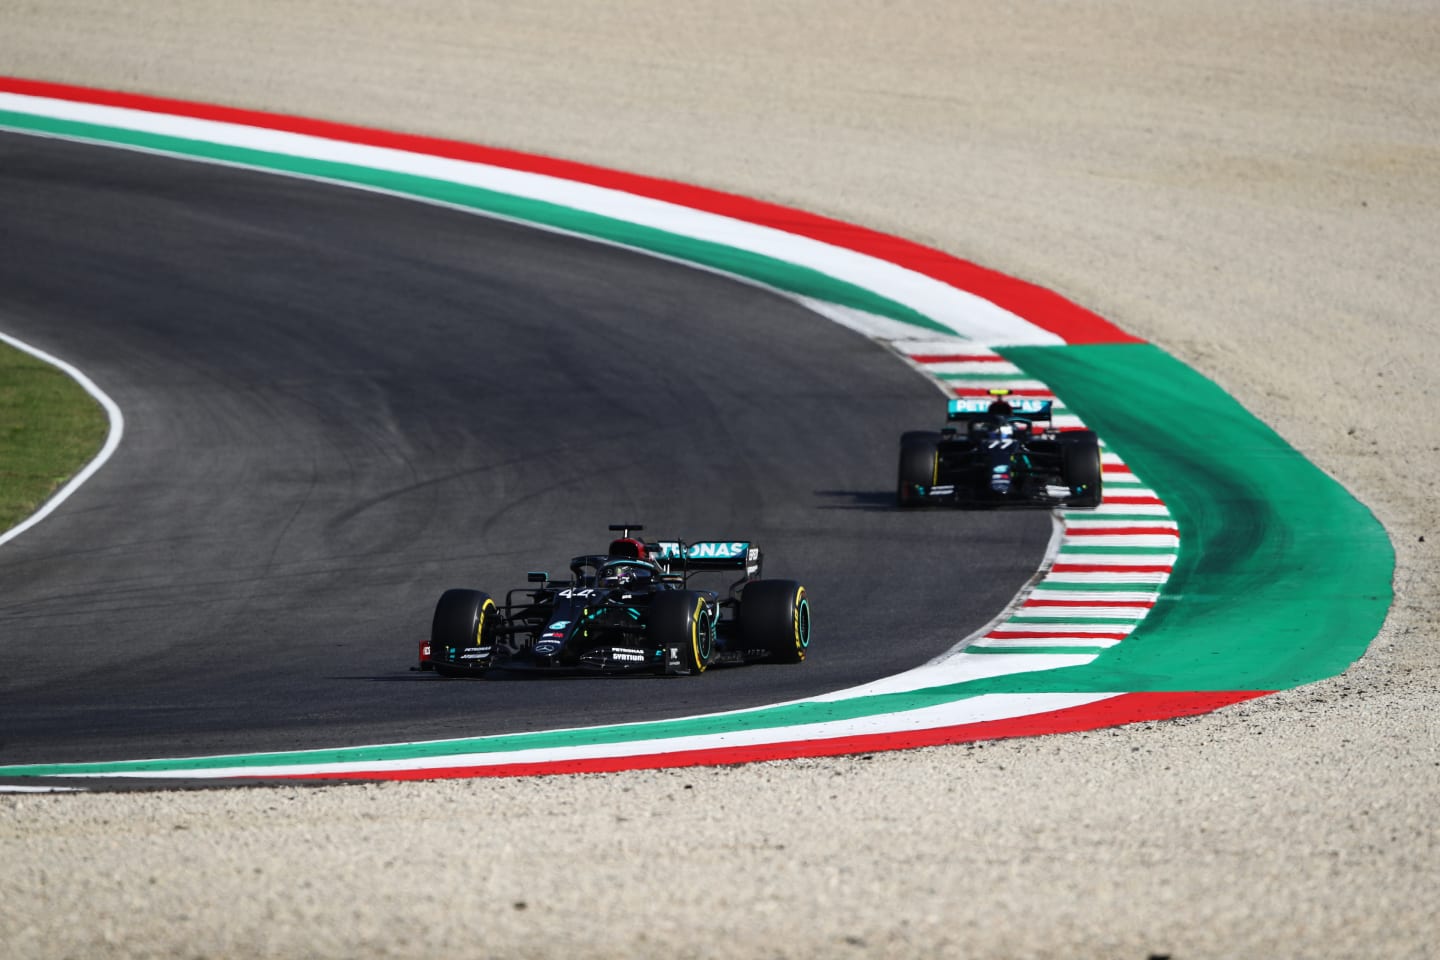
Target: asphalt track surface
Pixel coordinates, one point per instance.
(339, 404)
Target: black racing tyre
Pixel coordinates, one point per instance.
(775, 616)
(1080, 465)
(919, 461)
(681, 620)
(932, 436)
(463, 618)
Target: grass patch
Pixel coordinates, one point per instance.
(49, 429)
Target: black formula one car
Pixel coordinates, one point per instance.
(1000, 450)
(632, 609)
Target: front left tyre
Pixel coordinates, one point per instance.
(919, 462)
(681, 624)
(462, 633)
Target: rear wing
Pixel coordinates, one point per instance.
(1026, 408)
(707, 555)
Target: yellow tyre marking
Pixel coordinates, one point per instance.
(799, 602)
(695, 636)
(486, 609)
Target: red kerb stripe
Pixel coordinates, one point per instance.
(956, 358)
(1088, 603)
(1051, 634)
(1040, 392)
(1112, 568)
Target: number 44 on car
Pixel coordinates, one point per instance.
(632, 609)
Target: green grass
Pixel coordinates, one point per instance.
(49, 429)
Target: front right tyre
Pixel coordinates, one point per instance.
(1080, 463)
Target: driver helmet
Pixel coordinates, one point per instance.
(1000, 408)
(626, 575)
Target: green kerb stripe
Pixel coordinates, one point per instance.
(1054, 582)
(1284, 577)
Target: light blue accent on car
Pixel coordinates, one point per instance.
(979, 405)
(702, 550)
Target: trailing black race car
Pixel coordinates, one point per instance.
(632, 609)
(1000, 450)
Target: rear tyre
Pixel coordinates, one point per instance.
(681, 621)
(919, 461)
(463, 621)
(775, 616)
(1081, 468)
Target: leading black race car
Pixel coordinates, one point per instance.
(997, 451)
(632, 609)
